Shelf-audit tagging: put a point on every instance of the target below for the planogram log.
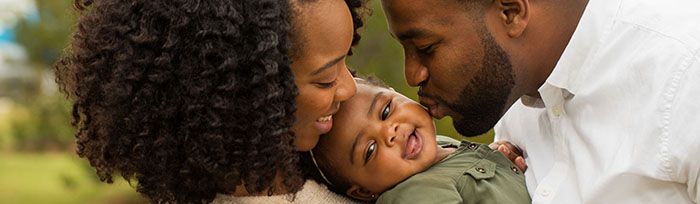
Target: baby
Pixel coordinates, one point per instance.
(383, 147)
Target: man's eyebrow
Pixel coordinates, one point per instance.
(327, 65)
(374, 103)
(354, 144)
(412, 33)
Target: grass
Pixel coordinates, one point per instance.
(57, 178)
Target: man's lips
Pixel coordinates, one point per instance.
(432, 108)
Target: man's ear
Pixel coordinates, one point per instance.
(515, 15)
(360, 193)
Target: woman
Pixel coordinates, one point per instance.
(196, 98)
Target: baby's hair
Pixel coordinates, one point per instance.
(372, 81)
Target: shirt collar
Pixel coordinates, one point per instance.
(596, 22)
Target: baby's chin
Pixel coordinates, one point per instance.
(417, 170)
(430, 151)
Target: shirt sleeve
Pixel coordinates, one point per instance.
(684, 138)
(693, 182)
(423, 190)
(685, 159)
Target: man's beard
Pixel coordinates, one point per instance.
(482, 102)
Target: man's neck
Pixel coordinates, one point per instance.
(561, 23)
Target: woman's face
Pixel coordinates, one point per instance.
(323, 36)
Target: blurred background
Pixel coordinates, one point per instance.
(38, 163)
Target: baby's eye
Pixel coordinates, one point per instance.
(370, 150)
(385, 112)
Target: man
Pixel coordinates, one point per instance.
(607, 88)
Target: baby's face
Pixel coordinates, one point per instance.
(380, 138)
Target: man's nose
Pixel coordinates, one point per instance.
(416, 73)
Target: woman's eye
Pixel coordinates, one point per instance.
(385, 112)
(327, 85)
(370, 150)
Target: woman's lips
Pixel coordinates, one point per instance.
(414, 145)
(324, 124)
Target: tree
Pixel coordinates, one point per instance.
(45, 34)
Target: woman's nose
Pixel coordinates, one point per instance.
(346, 86)
(416, 73)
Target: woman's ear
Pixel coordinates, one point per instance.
(360, 193)
(515, 15)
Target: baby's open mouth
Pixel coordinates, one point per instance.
(414, 144)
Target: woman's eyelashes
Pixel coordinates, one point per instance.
(386, 111)
(326, 85)
(370, 150)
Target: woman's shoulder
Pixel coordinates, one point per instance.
(312, 192)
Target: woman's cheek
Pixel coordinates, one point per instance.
(324, 99)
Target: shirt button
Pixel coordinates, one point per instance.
(544, 192)
(481, 170)
(556, 110)
(514, 169)
(472, 146)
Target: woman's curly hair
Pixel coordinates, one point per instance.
(188, 98)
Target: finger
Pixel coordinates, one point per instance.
(506, 151)
(494, 145)
(515, 150)
(520, 162)
(512, 148)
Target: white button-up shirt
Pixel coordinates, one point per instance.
(619, 117)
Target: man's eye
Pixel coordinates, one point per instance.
(425, 50)
(370, 150)
(385, 112)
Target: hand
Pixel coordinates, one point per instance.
(511, 152)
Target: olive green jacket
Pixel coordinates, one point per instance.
(474, 173)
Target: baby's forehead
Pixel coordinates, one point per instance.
(366, 93)
(363, 88)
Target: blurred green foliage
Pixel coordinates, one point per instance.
(44, 38)
(57, 178)
(38, 119)
(37, 163)
(41, 124)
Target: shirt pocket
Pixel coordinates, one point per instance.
(482, 169)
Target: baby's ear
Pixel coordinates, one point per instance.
(360, 193)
